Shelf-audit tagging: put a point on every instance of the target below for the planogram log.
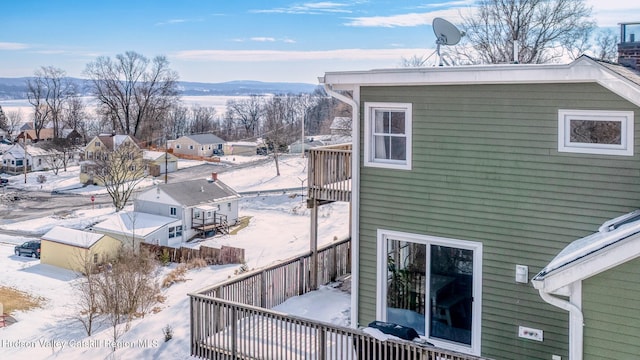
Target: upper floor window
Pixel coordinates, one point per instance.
(595, 132)
(387, 141)
(190, 147)
(97, 143)
(177, 146)
(174, 211)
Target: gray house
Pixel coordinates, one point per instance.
(467, 181)
(196, 145)
(205, 206)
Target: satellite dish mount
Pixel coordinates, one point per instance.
(446, 34)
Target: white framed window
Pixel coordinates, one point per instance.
(433, 285)
(172, 232)
(595, 132)
(387, 141)
(190, 147)
(173, 211)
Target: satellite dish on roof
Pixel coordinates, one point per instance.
(446, 34)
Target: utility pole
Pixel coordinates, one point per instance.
(166, 159)
(25, 161)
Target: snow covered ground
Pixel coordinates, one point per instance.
(279, 229)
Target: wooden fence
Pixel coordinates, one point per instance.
(213, 256)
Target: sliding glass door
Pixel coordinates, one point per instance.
(432, 285)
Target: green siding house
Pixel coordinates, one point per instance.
(469, 181)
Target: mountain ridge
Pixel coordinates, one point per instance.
(16, 88)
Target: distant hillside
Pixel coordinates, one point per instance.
(15, 88)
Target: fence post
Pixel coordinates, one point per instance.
(301, 276)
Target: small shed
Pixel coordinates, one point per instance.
(159, 162)
(76, 249)
(246, 148)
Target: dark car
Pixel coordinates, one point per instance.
(3, 181)
(218, 152)
(30, 248)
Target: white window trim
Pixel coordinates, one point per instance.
(369, 160)
(381, 291)
(625, 117)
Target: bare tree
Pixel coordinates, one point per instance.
(606, 46)
(14, 119)
(48, 91)
(132, 91)
(247, 112)
(281, 124)
(203, 120)
(177, 122)
(75, 116)
(128, 289)
(120, 171)
(535, 30)
(4, 121)
(62, 151)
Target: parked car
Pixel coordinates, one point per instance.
(218, 152)
(30, 248)
(4, 182)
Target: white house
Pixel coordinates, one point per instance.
(204, 206)
(13, 159)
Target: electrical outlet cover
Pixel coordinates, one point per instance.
(530, 333)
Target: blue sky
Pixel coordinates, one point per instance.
(224, 40)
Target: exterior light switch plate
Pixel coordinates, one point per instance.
(529, 333)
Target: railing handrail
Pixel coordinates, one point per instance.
(252, 273)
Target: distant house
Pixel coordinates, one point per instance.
(132, 228)
(203, 205)
(240, 148)
(29, 135)
(75, 249)
(101, 147)
(196, 145)
(159, 162)
(297, 147)
(36, 159)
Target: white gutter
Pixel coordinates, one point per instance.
(576, 318)
(355, 192)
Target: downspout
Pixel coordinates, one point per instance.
(355, 194)
(576, 320)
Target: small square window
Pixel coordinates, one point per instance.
(387, 129)
(174, 211)
(595, 132)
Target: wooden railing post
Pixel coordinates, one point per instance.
(263, 289)
(234, 332)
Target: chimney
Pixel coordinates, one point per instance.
(214, 176)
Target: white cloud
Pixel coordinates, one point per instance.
(13, 46)
(405, 20)
(278, 55)
(309, 8)
(177, 21)
(263, 39)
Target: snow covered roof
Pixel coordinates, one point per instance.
(241, 143)
(623, 230)
(134, 223)
(199, 191)
(73, 237)
(205, 139)
(155, 155)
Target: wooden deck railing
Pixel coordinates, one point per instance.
(232, 320)
(236, 331)
(329, 175)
